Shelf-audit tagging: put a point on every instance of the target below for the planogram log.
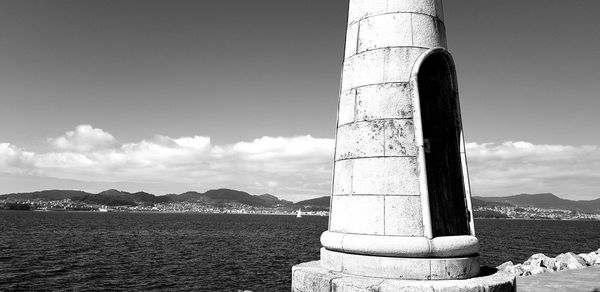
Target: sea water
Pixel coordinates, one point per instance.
(209, 252)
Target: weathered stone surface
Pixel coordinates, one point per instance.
(401, 246)
(560, 266)
(548, 262)
(384, 101)
(311, 277)
(342, 177)
(428, 31)
(526, 269)
(583, 280)
(376, 139)
(361, 139)
(538, 260)
(319, 277)
(592, 258)
(355, 284)
(572, 260)
(399, 138)
(387, 65)
(357, 214)
(516, 270)
(351, 40)
(346, 109)
(385, 176)
(386, 30)
(419, 6)
(361, 9)
(403, 216)
(400, 268)
(538, 270)
(504, 266)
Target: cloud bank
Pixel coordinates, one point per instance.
(290, 167)
(516, 167)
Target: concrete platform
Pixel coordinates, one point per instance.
(311, 277)
(587, 280)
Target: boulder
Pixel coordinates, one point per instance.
(527, 269)
(505, 266)
(591, 258)
(516, 270)
(572, 261)
(559, 266)
(537, 260)
(549, 263)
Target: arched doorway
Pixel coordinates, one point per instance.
(441, 126)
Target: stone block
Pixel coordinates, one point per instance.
(359, 9)
(405, 286)
(363, 69)
(427, 31)
(356, 284)
(351, 40)
(361, 139)
(310, 277)
(401, 267)
(400, 138)
(385, 176)
(399, 63)
(384, 101)
(388, 65)
(386, 30)
(357, 214)
(403, 216)
(494, 281)
(418, 6)
(342, 177)
(346, 109)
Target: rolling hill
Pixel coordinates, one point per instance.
(546, 201)
(114, 197)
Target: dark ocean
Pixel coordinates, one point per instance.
(81, 251)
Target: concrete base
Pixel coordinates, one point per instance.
(401, 268)
(311, 277)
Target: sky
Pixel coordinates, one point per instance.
(170, 96)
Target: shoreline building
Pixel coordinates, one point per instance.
(400, 206)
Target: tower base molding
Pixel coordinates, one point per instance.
(401, 268)
(312, 277)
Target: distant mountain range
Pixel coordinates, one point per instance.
(120, 198)
(545, 201)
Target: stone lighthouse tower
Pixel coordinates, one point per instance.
(400, 205)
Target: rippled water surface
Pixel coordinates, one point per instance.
(201, 252)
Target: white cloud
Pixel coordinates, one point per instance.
(516, 167)
(280, 165)
(84, 138)
(290, 167)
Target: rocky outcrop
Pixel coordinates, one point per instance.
(540, 263)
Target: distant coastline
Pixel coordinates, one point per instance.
(544, 206)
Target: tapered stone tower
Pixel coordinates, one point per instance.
(401, 205)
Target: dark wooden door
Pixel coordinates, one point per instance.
(441, 131)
